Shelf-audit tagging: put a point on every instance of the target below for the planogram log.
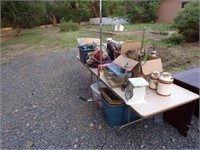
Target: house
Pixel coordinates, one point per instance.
(168, 10)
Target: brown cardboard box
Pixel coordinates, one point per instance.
(88, 41)
(145, 68)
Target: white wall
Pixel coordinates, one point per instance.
(108, 21)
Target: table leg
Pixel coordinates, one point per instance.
(180, 117)
(196, 110)
(91, 77)
(129, 119)
(130, 123)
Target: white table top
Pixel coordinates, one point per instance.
(155, 103)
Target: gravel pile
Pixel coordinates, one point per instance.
(41, 109)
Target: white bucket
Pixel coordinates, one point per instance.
(96, 93)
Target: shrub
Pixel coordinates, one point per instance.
(175, 39)
(68, 26)
(142, 11)
(187, 22)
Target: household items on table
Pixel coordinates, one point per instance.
(90, 54)
(119, 61)
(113, 48)
(154, 80)
(86, 45)
(116, 75)
(165, 82)
(136, 90)
(154, 103)
(161, 82)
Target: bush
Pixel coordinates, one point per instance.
(175, 39)
(142, 11)
(187, 22)
(68, 26)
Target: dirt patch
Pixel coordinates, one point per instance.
(6, 37)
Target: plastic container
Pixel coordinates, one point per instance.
(118, 71)
(109, 96)
(83, 52)
(117, 114)
(96, 93)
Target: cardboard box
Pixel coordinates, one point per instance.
(143, 69)
(88, 41)
(146, 68)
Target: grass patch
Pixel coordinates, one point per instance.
(174, 57)
(134, 27)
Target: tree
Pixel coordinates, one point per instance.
(21, 14)
(114, 8)
(142, 11)
(94, 5)
(187, 22)
(52, 8)
(85, 12)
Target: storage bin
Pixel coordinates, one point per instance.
(109, 96)
(83, 52)
(114, 114)
(117, 114)
(96, 93)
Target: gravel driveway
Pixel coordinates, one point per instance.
(41, 109)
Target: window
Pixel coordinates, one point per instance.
(183, 4)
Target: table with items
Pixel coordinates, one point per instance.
(143, 89)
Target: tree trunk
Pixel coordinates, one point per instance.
(52, 17)
(18, 30)
(94, 9)
(78, 9)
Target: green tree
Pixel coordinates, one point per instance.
(114, 8)
(52, 11)
(142, 11)
(21, 14)
(187, 22)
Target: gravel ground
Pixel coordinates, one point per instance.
(41, 109)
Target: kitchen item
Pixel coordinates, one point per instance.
(165, 82)
(136, 90)
(154, 80)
